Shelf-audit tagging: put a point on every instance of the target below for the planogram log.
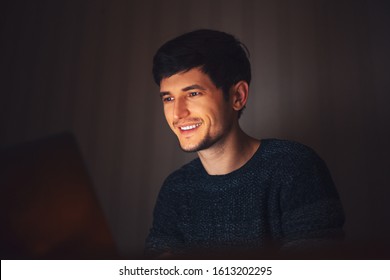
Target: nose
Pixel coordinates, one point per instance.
(180, 109)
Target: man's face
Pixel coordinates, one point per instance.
(195, 110)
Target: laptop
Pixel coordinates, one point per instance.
(49, 209)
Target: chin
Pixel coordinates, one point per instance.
(203, 145)
(189, 148)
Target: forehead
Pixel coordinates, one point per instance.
(184, 79)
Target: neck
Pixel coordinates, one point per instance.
(230, 153)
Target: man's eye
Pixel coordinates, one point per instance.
(195, 93)
(167, 99)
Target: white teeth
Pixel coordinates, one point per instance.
(188, 127)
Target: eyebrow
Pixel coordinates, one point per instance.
(191, 87)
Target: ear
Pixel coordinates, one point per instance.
(240, 95)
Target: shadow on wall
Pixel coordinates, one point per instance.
(48, 208)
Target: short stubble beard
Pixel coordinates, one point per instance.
(206, 143)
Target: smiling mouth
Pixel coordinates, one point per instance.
(189, 127)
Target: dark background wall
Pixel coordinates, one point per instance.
(321, 76)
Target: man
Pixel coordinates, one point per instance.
(240, 193)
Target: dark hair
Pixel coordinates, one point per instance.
(219, 55)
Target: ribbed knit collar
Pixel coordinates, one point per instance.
(242, 170)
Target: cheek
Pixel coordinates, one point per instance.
(219, 114)
(221, 122)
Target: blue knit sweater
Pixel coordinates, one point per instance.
(283, 195)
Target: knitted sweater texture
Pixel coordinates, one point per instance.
(284, 194)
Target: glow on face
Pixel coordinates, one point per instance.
(195, 109)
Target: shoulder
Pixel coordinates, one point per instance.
(286, 155)
(296, 168)
(300, 173)
(277, 148)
